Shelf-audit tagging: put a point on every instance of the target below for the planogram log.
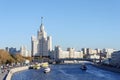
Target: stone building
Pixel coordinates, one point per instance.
(69, 53)
(42, 45)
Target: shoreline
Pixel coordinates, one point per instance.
(14, 70)
(108, 68)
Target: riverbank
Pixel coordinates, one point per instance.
(105, 67)
(12, 71)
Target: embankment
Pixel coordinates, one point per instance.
(113, 69)
(12, 71)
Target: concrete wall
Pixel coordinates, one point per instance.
(12, 71)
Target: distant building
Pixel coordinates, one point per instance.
(84, 50)
(108, 52)
(94, 51)
(12, 50)
(94, 56)
(69, 53)
(7, 49)
(89, 51)
(42, 45)
(24, 52)
(98, 51)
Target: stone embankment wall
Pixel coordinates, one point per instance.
(12, 71)
(113, 69)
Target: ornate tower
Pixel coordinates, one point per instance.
(42, 45)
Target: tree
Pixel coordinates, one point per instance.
(5, 57)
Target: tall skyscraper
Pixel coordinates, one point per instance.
(42, 45)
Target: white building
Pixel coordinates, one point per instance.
(24, 52)
(69, 53)
(94, 51)
(94, 56)
(42, 45)
(98, 50)
(84, 50)
(108, 52)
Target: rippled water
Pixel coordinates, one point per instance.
(67, 72)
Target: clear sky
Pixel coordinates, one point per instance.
(71, 23)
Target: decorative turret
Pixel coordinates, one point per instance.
(41, 27)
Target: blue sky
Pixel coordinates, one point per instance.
(71, 23)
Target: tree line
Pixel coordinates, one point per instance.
(7, 58)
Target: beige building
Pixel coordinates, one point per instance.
(42, 45)
(69, 53)
(24, 52)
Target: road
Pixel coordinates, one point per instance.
(3, 75)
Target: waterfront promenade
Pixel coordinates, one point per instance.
(3, 75)
(14, 70)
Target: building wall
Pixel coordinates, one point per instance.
(84, 50)
(69, 53)
(49, 43)
(24, 52)
(108, 52)
(34, 45)
(42, 45)
(89, 51)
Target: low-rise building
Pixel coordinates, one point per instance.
(69, 53)
(12, 50)
(24, 52)
(108, 52)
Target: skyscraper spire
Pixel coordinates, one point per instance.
(42, 26)
(41, 20)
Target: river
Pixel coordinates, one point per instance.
(67, 72)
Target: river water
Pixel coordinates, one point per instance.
(67, 72)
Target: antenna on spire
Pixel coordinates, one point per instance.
(41, 20)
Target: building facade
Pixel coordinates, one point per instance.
(12, 50)
(42, 45)
(69, 53)
(24, 52)
(108, 52)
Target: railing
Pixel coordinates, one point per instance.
(78, 59)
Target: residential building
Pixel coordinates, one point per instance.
(24, 52)
(42, 45)
(84, 50)
(108, 52)
(89, 51)
(12, 50)
(69, 53)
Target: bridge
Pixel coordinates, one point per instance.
(77, 59)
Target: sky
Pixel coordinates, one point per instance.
(71, 23)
